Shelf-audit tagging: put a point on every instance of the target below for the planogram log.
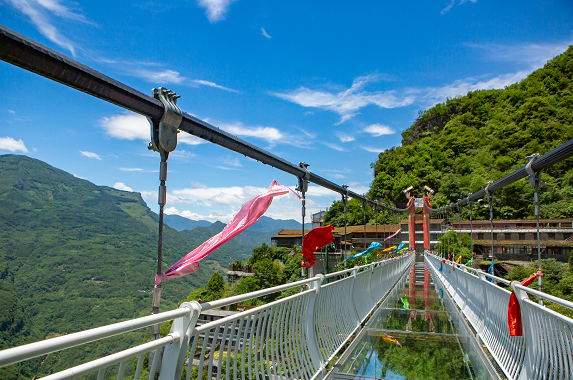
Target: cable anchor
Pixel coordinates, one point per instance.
(164, 132)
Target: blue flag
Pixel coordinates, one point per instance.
(490, 270)
(372, 247)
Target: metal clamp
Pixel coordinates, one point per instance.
(164, 132)
(534, 178)
(303, 181)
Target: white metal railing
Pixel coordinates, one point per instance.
(294, 337)
(545, 351)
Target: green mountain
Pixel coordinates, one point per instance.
(269, 224)
(74, 256)
(458, 146)
(180, 223)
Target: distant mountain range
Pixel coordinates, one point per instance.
(264, 224)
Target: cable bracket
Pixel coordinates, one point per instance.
(164, 132)
(303, 181)
(534, 177)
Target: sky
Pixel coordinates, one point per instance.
(330, 83)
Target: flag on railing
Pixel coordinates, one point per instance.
(458, 260)
(514, 310)
(372, 247)
(243, 219)
(317, 238)
(394, 234)
(490, 269)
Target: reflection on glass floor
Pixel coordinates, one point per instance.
(411, 336)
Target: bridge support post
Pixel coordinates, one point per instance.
(311, 340)
(174, 354)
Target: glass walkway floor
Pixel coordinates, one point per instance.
(412, 335)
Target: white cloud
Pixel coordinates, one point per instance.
(126, 127)
(335, 147)
(212, 217)
(39, 12)
(215, 9)
(535, 55)
(265, 33)
(90, 154)
(452, 3)
(12, 145)
(343, 137)
(373, 150)
(122, 186)
(211, 84)
(163, 77)
(435, 95)
(379, 130)
(12, 112)
(347, 103)
(132, 126)
(270, 134)
(130, 169)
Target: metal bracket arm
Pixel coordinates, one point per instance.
(164, 132)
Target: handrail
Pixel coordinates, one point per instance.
(32, 56)
(303, 331)
(33, 350)
(546, 347)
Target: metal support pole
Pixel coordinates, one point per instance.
(490, 202)
(460, 227)
(535, 182)
(303, 188)
(471, 229)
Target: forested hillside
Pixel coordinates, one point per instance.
(75, 256)
(458, 146)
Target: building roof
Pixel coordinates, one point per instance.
(291, 233)
(381, 228)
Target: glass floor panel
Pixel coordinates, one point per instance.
(410, 336)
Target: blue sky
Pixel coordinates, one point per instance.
(331, 83)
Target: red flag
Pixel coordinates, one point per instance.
(315, 239)
(514, 310)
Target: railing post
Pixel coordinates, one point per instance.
(485, 306)
(174, 354)
(526, 372)
(353, 300)
(311, 340)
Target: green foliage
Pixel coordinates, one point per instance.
(215, 288)
(450, 243)
(76, 256)
(457, 146)
(557, 281)
(571, 261)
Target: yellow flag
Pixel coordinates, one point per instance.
(389, 249)
(458, 260)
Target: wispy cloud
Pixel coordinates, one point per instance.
(130, 169)
(343, 137)
(532, 54)
(372, 149)
(335, 147)
(12, 112)
(132, 127)
(271, 135)
(41, 13)
(169, 77)
(122, 186)
(379, 130)
(12, 145)
(211, 84)
(90, 155)
(161, 76)
(215, 9)
(452, 3)
(348, 102)
(265, 33)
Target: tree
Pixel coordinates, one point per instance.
(215, 288)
